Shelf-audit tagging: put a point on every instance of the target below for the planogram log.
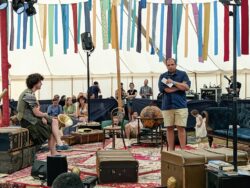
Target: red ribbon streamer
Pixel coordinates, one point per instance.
(244, 27)
(74, 10)
(226, 33)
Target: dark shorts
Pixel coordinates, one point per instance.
(39, 132)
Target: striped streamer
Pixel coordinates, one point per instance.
(186, 32)
(200, 33)
(160, 54)
(51, 27)
(64, 25)
(238, 31)
(87, 17)
(169, 32)
(74, 12)
(19, 19)
(245, 27)
(154, 16)
(206, 30)
(133, 25)
(196, 15)
(215, 28)
(79, 22)
(56, 24)
(138, 44)
(226, 33)
(104, 25)
(31, 30)
(121, 22)
(12, 30)
(109, 20)
(129, 25)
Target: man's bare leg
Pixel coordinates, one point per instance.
(182, 136)
(170, 138)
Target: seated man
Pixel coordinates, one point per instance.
(131, 129)
(230, 88)
(41, 126)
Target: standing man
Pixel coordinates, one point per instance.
(146, 91)
(41, 126)
(230, 89)
(174, 84)
(94, 90)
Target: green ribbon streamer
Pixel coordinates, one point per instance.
(104, 25)
(109, 21)
(31, 30)
(51, 28)
(133, 25)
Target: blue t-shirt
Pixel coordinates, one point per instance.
(175, 100)
(54, 110)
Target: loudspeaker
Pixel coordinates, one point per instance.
(87, 41)
(56, 165)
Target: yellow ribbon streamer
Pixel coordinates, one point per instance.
(186, 32)
(148, 26)
(206, 30)
(114, 32)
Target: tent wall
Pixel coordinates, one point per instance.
(73, 85)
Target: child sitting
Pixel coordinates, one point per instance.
(200, 126)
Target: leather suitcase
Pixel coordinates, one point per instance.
(69, 139)
(89, 137)
(13, 138)
(29, 154)
(228, 155)
(116, 166)
(16, 160)
(187, 168)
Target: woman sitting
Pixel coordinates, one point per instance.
(69, 108)
(82, 109)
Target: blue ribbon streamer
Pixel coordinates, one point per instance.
(238, 45)
(31, 30)
(121, 22)
(79, 22)
(200, 31)
(67, 26)
(154, 16)
(143, 3)
(160, 54)
(56, 24)
(25, 22)
(215, 28)
(87, 17)
(19, 19)
(129, 24)
(133, 25)
(64, 24)
(89, 4)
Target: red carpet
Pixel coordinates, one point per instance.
(83, 156)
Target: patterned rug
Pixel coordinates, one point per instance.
(83, 156)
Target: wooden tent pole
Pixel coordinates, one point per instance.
(116, 46)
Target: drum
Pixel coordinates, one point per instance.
(151, 117)
(64, 121)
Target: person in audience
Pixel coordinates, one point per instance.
(67, 180)
(74, 100)
(146, 91)
(69, 108)
(131, 94)
(200, 126)
(173, 84)
(82, 109)
(230, 89)
(123, 95)
(40, 125)
(94, 90)
(54, 109)
(131, 129)
(62, 100)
